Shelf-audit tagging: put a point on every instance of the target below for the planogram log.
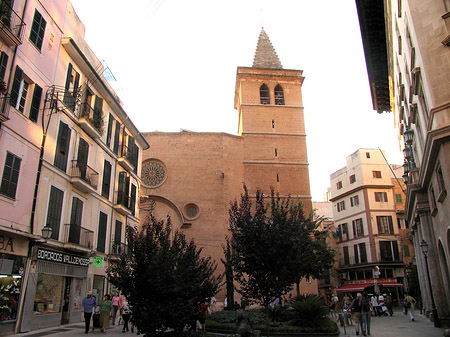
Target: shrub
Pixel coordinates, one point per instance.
(310, 311)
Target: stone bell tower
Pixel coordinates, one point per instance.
(271, 122)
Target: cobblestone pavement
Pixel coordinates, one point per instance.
(398, 325)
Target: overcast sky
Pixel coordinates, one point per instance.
(175, 63)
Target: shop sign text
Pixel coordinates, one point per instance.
(60, 257)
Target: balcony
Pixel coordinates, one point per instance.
(119, 248)
(91, 121)
(75, 234)
(122, 203)
(84, 178)
(11, 25)
(126, 158)
(351, 262)
(4, 109)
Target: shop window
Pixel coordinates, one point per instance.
(9, 296)
(48, 296)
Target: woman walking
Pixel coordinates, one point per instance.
(115, 304)
(105, 312)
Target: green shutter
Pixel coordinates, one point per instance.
(35, 103)
(16, 86)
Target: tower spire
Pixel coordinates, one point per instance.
(265, 55)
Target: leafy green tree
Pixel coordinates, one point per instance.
(163, 276)
(266, 244)
(229, 280)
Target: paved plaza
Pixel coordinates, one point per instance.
(398, 325)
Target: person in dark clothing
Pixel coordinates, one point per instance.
(87, 306)
(356, 307)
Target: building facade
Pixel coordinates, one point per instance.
(70, 160)
(368, 221)
(414, 38)
(193, 177)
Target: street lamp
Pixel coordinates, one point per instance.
(424, 247)
(47, 231)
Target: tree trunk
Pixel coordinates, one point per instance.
(267, 320)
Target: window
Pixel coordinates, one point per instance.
(341, 206)
(385, 225)
(98, 113)
(367, 154)
(356, 253)
(110, 127)
(62, 146)
(276, 152)
(406, 252)
(10, 175)
(354, 201)
(35, 103)
(432, 197)
(133, 198)
(398, 198)
(376, 174)
(279, 95)
(352, 179)
(264, 94)
(362, 253)
(339, 185)
(116, 138)
(71, 87)
(106, 179)
(358, 229)
(19, 90)
(381, 197)
(273, 123)
(345, 231)
(124, 186)
(3, 65)
(82, 158)
(278, 178)
(346, 256)
(442, 192)
(118, 233)
(389, 251)
(51, 288)
(37, 30)
(75, 220)
(55, 205)
(101, 238)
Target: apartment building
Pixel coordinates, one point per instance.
(367, 225)
(70, 160)
(406, 43)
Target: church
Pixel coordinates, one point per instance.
(194, 176)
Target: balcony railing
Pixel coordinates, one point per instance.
(4, 108)
(93, 116)
(119, 249)
(351, 261)
(12, 26)
(85, 173)
(76, 234)
(127, 158)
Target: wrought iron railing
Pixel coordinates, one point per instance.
(94, 116)
(123, 199)
(74, 233)
(128, 153)
(10, 20)
(119, 249)
(84, 172)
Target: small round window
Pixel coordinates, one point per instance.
(191, 211)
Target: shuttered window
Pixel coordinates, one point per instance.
(106, 179)
(3, 65)
(16, 86)
(116, 138)
(133, 198)
(101, 238)
(35, 103)
(71, 87)
(118, 232)
(55, 205)
(37, 30)
(10, 175)
(109, 133)
(62, 146)
(75, 220)
(82, 158)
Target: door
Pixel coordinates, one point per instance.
(66, 301)
(82, 159)
(75, 221)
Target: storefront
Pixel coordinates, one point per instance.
(56, 286)
(13, 252)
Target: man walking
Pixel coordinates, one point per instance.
(409, 304)
(366, 313)
(356, 307)
(87, 306)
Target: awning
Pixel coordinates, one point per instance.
(354, 287)
(390, 284)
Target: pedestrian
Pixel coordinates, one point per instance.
(356, 308)
(203, 313)
(366, 313)
(87, 306)
(346, 301)
(115, 304)
(126, 315)
(408, 305)
(212, 304)
(105, 312)
(389, 306)
(374, 301)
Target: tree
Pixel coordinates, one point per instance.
(229, 279)
(265, 247)
(163, 276)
